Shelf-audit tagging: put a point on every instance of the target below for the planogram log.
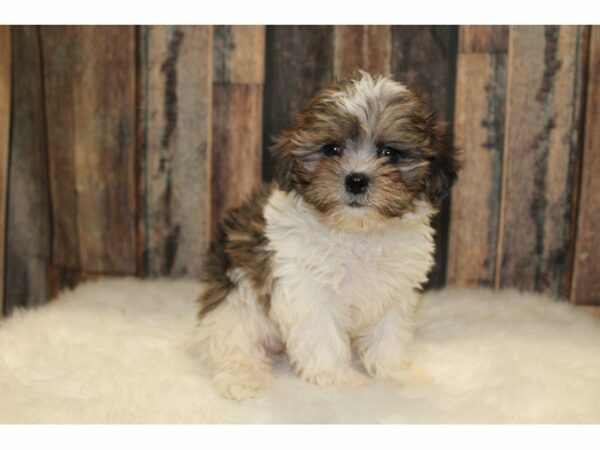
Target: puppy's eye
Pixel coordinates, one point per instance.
(390, 153)
(333, 150)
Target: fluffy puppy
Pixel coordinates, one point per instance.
(330, 257)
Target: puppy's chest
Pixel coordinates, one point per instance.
(345, 264)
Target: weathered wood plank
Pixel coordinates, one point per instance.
(237, 116)
(586, 280)
(89, 76)
(5, 100)
(479, 128)
(176, 129)
(483, 39)
(365, 47)
(28, 214)
(237, 145)
(424, 58)
(299, 62)
(540, 151)
(239, 54)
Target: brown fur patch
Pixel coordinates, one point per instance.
(239, 242)
(392, 117)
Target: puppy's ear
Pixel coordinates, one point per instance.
(444, 162)
(283, 161)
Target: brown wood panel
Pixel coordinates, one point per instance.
(483, 39)
(239, 54)
(176, 75)
(586, 273)
(299, 60)
(5, 98)
(28, 215)
(89, 85)
(424, 58)
(237, 145)
(479, 128)
(365, 47)
(237, 115)
(540, 151)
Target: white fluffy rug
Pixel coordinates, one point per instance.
(121, 352)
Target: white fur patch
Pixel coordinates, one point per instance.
(329, 288)
(333, 286)
(368, 95)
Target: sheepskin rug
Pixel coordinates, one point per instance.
(121, 351)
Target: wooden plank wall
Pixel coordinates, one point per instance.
(479, 128)
(128, 144)
(28, 235)
(540, 154)
(239, 76)
(585, 287)
(89, 87)
(176, 97)
(519, 116)
(5, 100)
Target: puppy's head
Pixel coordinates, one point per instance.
(365, 150)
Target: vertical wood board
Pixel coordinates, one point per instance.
(364, 47)
(176, 129)
(541, 139)
(237, 115)
(478, 125)
(483, 39)
(586, 271)
(28, 215)
(5, 93)
(89, 86)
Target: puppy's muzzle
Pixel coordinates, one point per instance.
(357, 183)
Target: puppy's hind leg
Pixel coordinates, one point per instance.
(231, 338)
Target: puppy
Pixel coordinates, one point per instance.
(331, 256)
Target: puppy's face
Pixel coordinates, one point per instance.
(365, 150)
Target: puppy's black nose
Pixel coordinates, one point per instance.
(357, 183)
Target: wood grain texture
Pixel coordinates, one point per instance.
(299, 60)
(586, 280)
(176, 128)
(237, 145)
(89, 84)
(479, 128)
(28, 215)
(365, 47)
(239, 54)
(237, 116)
(5, 100)
(424, 58)
(483, 39)
(540, 151)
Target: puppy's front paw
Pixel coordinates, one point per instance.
(241, 385)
